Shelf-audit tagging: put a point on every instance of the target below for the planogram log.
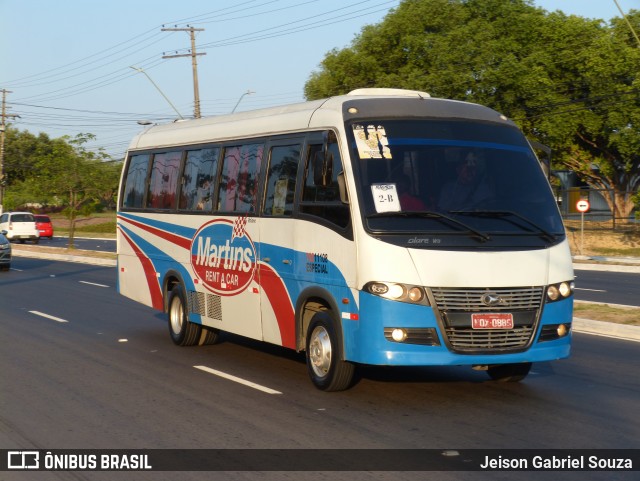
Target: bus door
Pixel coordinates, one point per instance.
(227, 247)
(324, 236)
(277, 256)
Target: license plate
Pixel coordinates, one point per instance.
(492, 321)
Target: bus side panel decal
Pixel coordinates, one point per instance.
(276, 292)
(149, 272)
(223, 256)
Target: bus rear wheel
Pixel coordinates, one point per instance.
(509, 372)
(327, 370)
(184, 332)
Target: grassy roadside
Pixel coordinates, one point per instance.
(604, 312)
(97, 225)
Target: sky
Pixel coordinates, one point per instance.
(67, 64)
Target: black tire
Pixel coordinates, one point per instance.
(5, 267)
(182, 331)
(327, 370)
(36, 240)
(509, 372)
(208, 336)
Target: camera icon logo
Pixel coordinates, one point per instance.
(23, 460)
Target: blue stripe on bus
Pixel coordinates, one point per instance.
(394, 141)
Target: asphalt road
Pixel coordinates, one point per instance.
(83, 367)
(608, 287)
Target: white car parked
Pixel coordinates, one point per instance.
(20, 226)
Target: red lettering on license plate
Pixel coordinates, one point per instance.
(492, 321)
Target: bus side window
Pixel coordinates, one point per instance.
(163, 184)
(281, 180)
(198, 179)
(239, 178)
(324, 201)
(134, 185)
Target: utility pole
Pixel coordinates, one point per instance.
(3, 128)
(194, 64)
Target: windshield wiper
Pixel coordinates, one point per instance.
(503, 213)
(431, 215)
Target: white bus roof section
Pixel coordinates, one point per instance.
(390, 93)
(317, 114)
(294, 117)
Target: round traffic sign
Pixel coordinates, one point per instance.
(582, 205)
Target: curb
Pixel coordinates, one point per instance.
(606, 267)
(606, 329)
(65, 257)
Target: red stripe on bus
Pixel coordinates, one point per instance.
(278, 297)
(150, 274)
(163, 234)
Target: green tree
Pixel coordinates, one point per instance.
(61, 172)
(22, 150)
(569, 82)
(75, 175)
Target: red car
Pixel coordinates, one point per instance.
(44, 225)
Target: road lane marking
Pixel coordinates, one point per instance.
(92, 284)
(238, 380)
(591, 290)
(42, 314)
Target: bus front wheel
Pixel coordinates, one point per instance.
(509, 372)
(183, 332)
(326, 368)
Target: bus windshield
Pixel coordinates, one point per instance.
(431, 183)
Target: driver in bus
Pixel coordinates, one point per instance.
(470, 187)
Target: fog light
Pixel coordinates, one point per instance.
(562, 330)
(398, 335)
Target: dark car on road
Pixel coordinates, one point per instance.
(5, 252)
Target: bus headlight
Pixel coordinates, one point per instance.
(559, 291)
(397, 292)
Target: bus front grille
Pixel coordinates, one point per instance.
(456, 306)
(471, 340)
(471, 299)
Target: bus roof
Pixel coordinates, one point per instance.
(324, 113)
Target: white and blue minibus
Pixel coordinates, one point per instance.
(382, 227)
